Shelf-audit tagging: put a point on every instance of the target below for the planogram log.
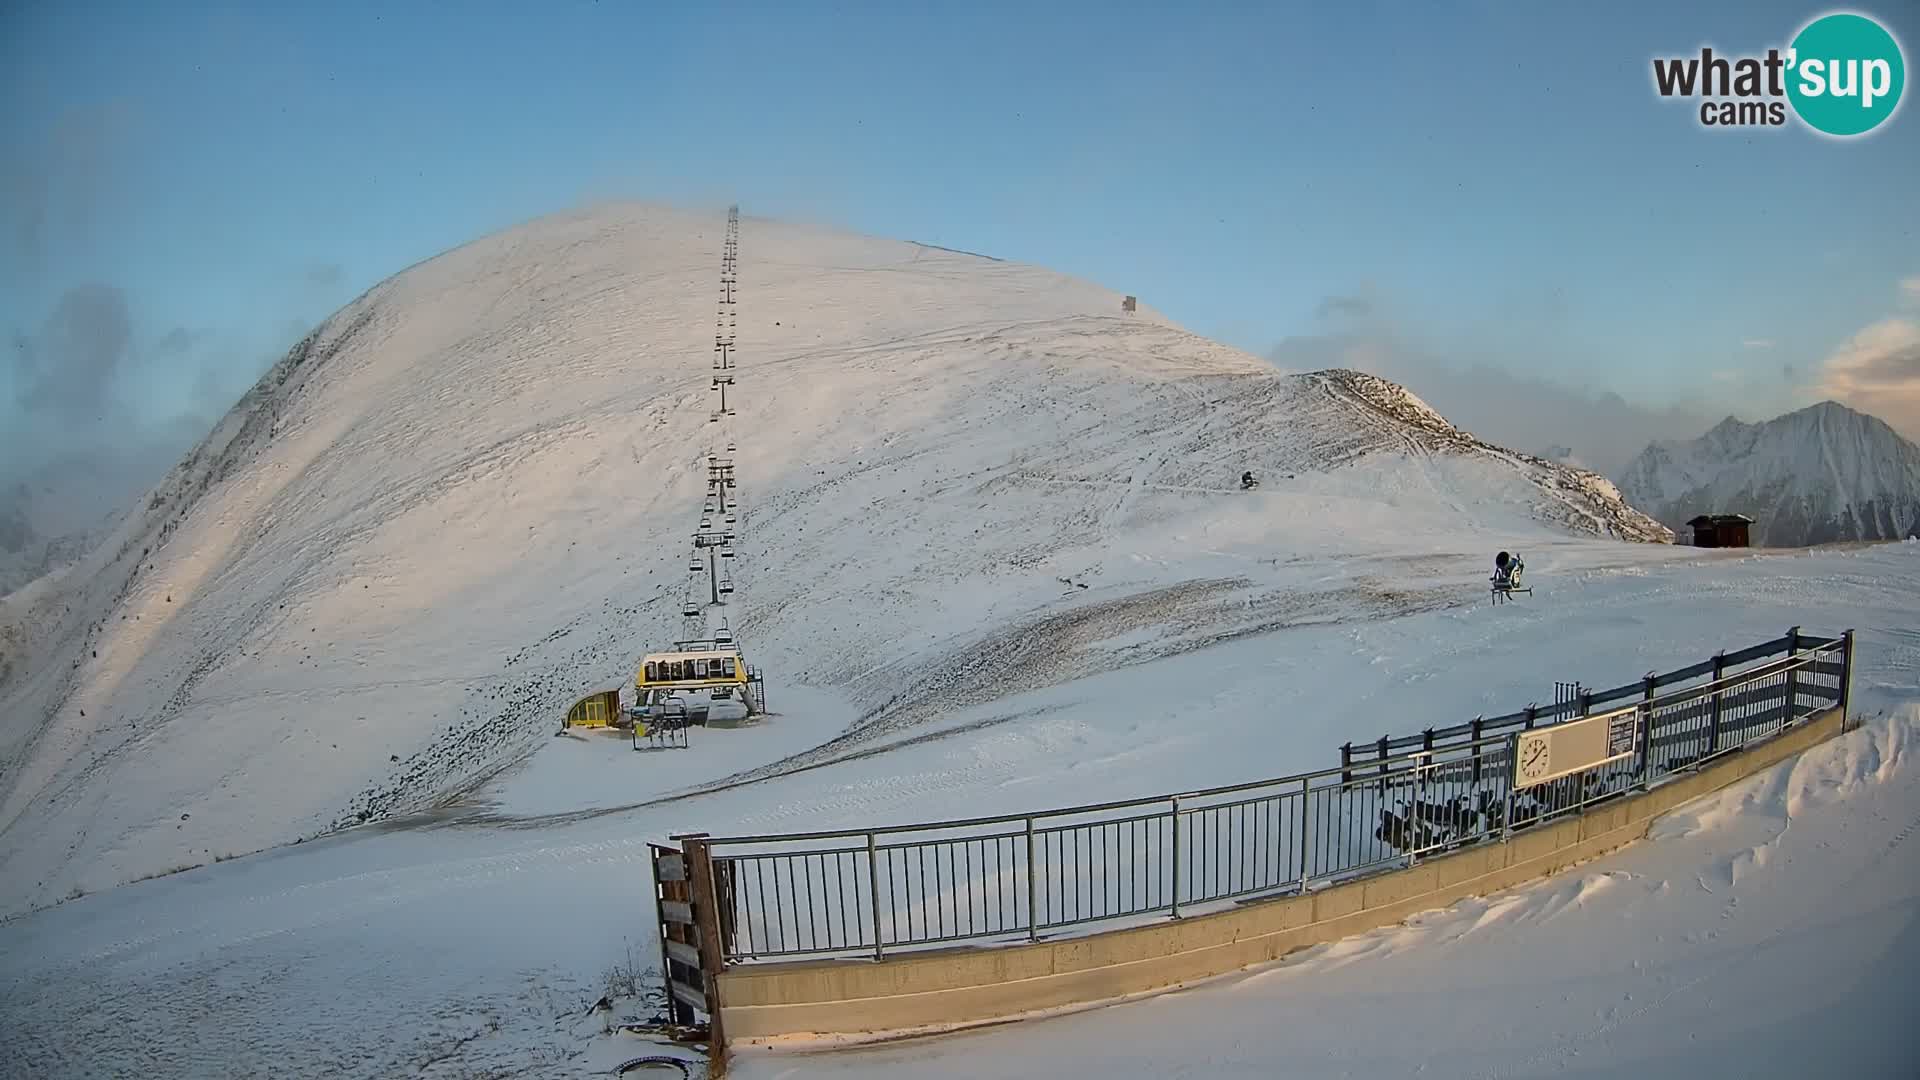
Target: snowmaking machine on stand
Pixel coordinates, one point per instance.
(1507, 570)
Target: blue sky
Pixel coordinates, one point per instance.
(1496, 182)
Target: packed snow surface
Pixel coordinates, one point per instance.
(465, 501)
(1767, 931)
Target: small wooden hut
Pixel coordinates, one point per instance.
(1720, 530)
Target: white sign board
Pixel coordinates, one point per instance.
(1550, 753)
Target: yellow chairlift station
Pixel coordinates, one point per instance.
(691, 669)
(712, 669)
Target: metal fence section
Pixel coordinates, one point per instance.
(661, 733)
(855, 892)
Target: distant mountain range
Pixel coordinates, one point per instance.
(26, 551)
(1823, 474)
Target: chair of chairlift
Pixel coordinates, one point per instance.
(726, 553)
(690, 610)
(726, 587)
(693, 565)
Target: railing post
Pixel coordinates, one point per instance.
(1793, 676)
(873, 891)
(1384, 754)
(1846, 677)
(1475, 736)
(706, 918)
(1033, 911)
(1419, 796)
(1306, 804)
(1513, 770)
(1713, 720)
(1176, 856)
(1646, 733)
(1532, 712)
(1346, 763)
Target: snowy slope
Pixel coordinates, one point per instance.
(1822, 474)
(1765, 930)
(463, 502)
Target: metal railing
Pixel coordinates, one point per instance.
(1017, 877)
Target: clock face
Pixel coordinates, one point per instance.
(1533, 758)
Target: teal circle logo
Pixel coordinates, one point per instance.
(1845, 74)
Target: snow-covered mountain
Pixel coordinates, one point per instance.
(464, 500)
(26, 554)
(1821, 474)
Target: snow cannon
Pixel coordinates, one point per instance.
(1506, 577)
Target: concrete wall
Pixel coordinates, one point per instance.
(948, 988)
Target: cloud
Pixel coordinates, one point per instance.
(1910, 290)
(1878, 371)
(57, 187)
(1726, 375)
(1358, 307)
(325, 275)
(1758, 343)
(67, 373)
(180, 340)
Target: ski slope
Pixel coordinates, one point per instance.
(464, 501)
(1771, 926)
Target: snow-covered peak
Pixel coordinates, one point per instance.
(1822, 473)
(465, 500)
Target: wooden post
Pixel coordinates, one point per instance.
(706, 918)
(670, 891)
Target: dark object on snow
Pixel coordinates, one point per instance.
(1506, 577)
(626, 1067)
(1720, 530)
(1247, 482)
